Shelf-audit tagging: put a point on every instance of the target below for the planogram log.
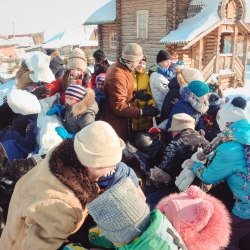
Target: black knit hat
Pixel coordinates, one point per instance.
(162, 56)
(214, 99)
(99, 55)
(144, 57)
(50, 51)
(239, 102)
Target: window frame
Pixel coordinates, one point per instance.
(144, 29)
(112, 34)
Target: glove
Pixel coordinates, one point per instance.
(63, 133)
(149, 110)
(30, 127)
(199, 154)
(41, 92)
(142, 95)
(55, 109)
(39, 84)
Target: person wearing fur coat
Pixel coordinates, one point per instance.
(183, 77)
(78, 111)
(56, 63)
(49, 202)
(193, 101)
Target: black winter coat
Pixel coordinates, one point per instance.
(171, 98)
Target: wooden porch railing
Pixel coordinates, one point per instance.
(209, 68)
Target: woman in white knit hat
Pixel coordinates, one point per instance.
(76, 68)
(49, 202)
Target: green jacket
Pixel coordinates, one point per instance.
(159, 235)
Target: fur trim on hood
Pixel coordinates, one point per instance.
(65, 165)
(195, 102)
(85, 103)
(54, 54)
(179, 76)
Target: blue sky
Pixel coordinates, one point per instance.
(31, 16)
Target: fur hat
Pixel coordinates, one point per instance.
(120, 212)
(23, 78)
(97, 145)
(99, 55)
(77, 60)
(231, 112)
(181, 121)
(100, 78)
(186, 75)
(162, 56)
(132, 52)
(199, 88)
(75, 91)
(202, 221)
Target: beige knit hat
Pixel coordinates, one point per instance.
(181, 121)
(97, 145)
(77, 60)
(23, 78)
(132, 52)
(186, 75)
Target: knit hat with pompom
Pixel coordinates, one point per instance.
(197, 216)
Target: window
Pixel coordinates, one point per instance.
(113, 40)
(142, 24)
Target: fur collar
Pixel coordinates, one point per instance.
(85, 103)
(65, 165)
(195, 102)
(54, 54)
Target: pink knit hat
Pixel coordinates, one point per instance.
(202, 220)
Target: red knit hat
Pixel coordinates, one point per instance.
(202, 220)
(155, 130)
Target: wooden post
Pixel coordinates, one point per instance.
(199, 54)
(234, 47)
(218, 37)
(193, 56)
(245, 57)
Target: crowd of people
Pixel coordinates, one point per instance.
(151, 159)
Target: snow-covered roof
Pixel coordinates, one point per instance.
(4, 42)
(105, 13)
(193, 26)
(88, 43)
(23, 41)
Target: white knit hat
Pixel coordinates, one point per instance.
(181, 121)
(190, 74)
(132, 52)
(231, 112)
(97, 145)
(120, 213)
(77, 60)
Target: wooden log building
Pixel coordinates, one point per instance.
(194, 30)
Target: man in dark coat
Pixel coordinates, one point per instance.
(56, 62)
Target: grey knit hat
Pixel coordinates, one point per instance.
(132, 52)
(120, 212)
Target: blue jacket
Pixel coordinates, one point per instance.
(230, 163)
(191, 105)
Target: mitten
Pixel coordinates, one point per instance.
(186, 177)
(55, 109)
(63, 133)
(149, 110)
(157, 174)
(142, 95)
(195, 157)
(41, 92)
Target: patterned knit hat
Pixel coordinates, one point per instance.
(120, 212)
(197, 216)
(77, 60)
(98, 146)
(75, 91)
(231, 112)
(24, 65)
(199, 88)
(132, 52)
(100, 78)
(162, 56)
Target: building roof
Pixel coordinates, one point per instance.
(7, 43)
(193, 26)
(105, 13)
(22, 41)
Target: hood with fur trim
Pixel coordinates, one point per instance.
(88, 102)
(54, 54)
(65, 165)
(195, 102)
